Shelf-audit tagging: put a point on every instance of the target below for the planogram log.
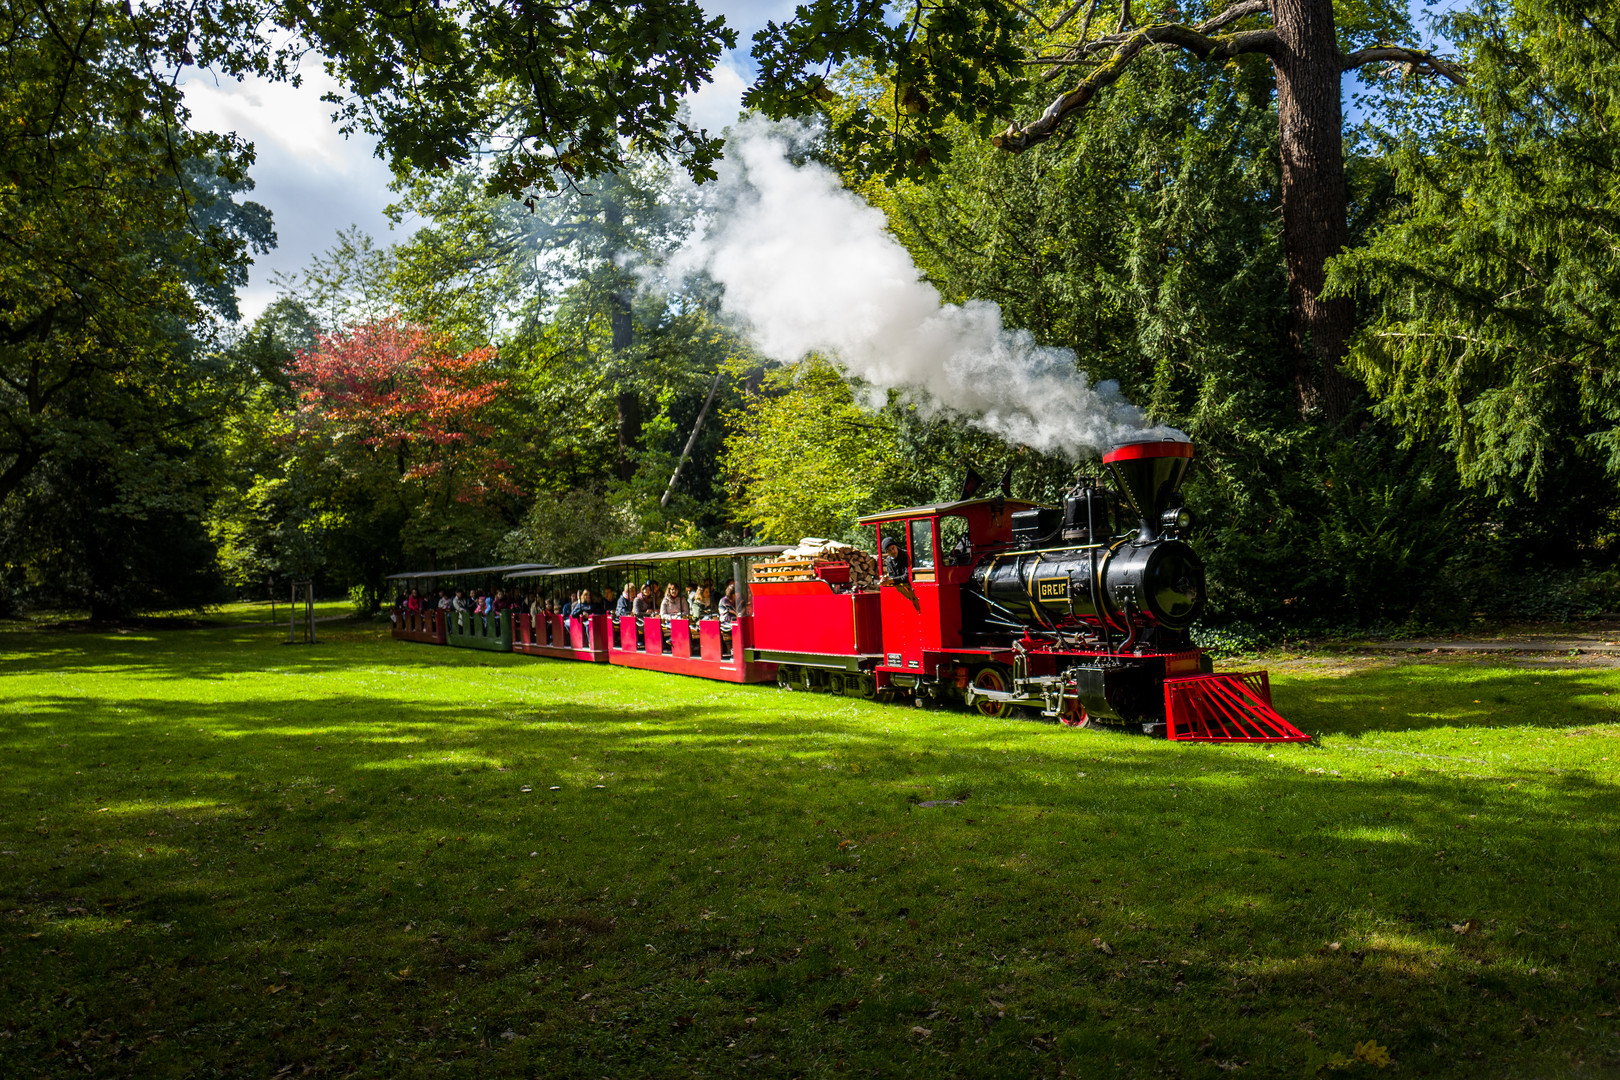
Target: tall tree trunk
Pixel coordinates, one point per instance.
(629, 404)
(619, 319)
(1314, 202)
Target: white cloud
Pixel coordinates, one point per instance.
(316, 182)
(278, 117)
(716, 104)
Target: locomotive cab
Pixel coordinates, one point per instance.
(927, 554)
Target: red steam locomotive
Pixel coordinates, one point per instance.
(1004, 604)
(995, 603)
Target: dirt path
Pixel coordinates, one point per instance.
(1589, 644)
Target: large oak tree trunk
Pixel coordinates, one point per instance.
(1314, 202)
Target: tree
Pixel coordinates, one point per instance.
(953, 62)
(119, 229)
(551, 91)
(1493, 283)
(403, 420)
(390, 389)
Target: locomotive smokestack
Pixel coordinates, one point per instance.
(1150, 473)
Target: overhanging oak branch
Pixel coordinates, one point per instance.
(1171, 35)
(1414, 60)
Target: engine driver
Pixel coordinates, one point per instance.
(894, 563)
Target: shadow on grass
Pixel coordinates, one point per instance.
(735, 880)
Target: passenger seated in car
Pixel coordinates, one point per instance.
(674, 605)
(728, 617)
(703, 606)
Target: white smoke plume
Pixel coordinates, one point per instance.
(808, 266)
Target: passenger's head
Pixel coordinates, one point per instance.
(584, 596)
(672, 591)
(731, 590)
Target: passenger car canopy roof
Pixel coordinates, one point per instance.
(561, 571)
(645, 557)
(467, 570)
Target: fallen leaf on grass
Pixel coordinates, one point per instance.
(841, 1008)
(276, 989)
(921, 1031)
(1102, 946)
(1466, 927)
(1372, 1054)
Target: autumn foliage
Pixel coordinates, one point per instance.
(403, 391)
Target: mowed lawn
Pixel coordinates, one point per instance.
(222, 856)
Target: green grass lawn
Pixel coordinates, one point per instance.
(222, 856)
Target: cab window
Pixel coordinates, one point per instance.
(922, 544)
(953, 540)
(892, 550)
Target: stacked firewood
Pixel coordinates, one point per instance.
(800, 564)
(863, 568)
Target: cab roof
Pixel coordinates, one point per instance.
(942, 508)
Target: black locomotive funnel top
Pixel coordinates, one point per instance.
(1149, 473)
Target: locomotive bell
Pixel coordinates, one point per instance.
(1150, 473)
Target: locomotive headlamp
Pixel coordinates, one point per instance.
(1177, 517)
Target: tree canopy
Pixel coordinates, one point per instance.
(1494, 284)
(1168, 191)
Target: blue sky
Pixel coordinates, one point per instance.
(316, 182)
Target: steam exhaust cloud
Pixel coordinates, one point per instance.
(808, 266)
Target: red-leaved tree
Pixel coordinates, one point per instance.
(390, 391)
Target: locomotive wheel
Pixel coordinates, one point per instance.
(1075, 718)
(991, 677)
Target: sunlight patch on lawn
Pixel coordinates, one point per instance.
(1373, 835)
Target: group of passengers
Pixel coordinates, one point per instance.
(694, 604)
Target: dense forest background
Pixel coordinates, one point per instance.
(519, 381)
